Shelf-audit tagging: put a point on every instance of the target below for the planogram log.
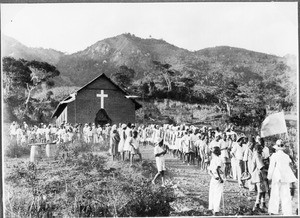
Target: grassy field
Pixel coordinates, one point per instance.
(84, 181)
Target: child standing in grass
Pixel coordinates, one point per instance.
(216, 182)
(134, 144)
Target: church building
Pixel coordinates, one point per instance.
(100, 101)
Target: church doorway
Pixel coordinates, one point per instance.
(102, 118)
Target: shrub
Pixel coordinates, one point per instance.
(14, 150)
(77, 184)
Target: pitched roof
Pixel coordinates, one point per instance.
(61, 106)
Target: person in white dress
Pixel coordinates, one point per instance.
(19, 134)
(85, 132)
(90, 134)
(47, 133)
(128, 134)
(94, 132)
(12, 132)
(192, 149)
(179, 135)
(71, 135)
(155, 134)
(185, 143)
(24, 137)
(122, 140)
(100, 134)
(281, 176)
(216, 185)
(159, 153)
(232, 142)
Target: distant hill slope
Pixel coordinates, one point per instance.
(204, 66)
(13, 48)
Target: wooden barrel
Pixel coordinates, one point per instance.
(34, 153)
(50, 149)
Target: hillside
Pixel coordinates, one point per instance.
(13, 48)
(137, 53)
(194, 77)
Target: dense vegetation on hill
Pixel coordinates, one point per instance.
(234, 79)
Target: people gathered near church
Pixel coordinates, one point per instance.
(225, 154)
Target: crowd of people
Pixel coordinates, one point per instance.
(223, 154)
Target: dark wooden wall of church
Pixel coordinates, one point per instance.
(118, 107)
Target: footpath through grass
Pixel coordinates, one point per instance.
(83, 181)
(191, 185)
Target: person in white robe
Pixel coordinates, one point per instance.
(94, 132)
(233, 142)
(281, 176)
(128, 134)
(13, 132)
(100, 134)
(19, 134)
(85, 132)
(90, 135)
(122, 140)
(216, 185)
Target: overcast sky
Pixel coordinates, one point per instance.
(265, 27)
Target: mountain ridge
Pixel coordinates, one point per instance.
(107, 55)
(14, 48)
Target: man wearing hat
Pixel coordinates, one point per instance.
(281, 176)
(238, 153)
(159, 153)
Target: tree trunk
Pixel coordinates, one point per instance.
(168, 82)
(29, 90)
(168, 103)
(228, 109)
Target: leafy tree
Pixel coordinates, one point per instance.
(228, 94)
(246, 104)
(124, 76)
(145, 89)
(26, 74)
(48, 95)
(166, 72)
(152, 88)
(20, 79)
(188, 82)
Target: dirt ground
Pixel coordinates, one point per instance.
(192, 186)
(190, 183)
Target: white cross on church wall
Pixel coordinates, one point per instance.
(102, 96)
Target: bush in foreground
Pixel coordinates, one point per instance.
(77, 184)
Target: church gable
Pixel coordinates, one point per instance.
(101, 82)
(98, 95)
